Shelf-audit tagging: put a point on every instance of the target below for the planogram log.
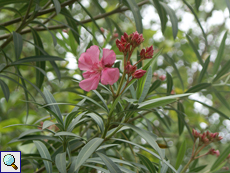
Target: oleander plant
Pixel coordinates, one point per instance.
(116, 86)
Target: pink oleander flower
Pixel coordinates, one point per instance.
(138, 74)
(96, 69)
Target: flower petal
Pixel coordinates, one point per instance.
(90, 83)
(108, 57)
(89, 58)
(88, 74)
(109, 76)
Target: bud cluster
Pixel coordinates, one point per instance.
(206, 137)
(129, 41)
(127, 44)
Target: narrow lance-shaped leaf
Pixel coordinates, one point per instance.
(60, 162)
(195, 50)
(57, 6)
(169, 83)
(171, 62)
(162, 14)
(181, 154)
(71, 23)
(43, 151)
(198, 87)
(222, 71)
(5, 89)
(98, 120)
(155, 85)
(41, 64)
(18, 43)
(147, 84)
(147, 163)
(50, 99)
(85, 153)
(136, 13)
(181, 119)
(113, 168)
(220, 54)
(204, 69)
(173, 18)
(221, 98)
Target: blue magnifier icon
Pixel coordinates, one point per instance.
(9, 160)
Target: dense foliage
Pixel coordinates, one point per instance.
(115, 86)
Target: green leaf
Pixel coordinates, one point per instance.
(149, 137)
(221, 158)
(169, 83)
(147, 163)
(5, 89)
(149, 151)
(3, 2)
(114, 104)
(113, 168)
(221, 98)
(171, 62)
(161, 101)
(76, 121)
(181, 154)
(28, 132)
(155, 85)
(136, 14)
(72, 114)
(92, 18)
(173, 18)
(197, 169)
(101, 98)
(34, 137)
(47, 124)
(195, 50)
(38, 58)
(147, 82)
(198, 87)
(220, 54)
(72, 24)
(60, 162)
(43, 151)
(162, 14)
(197, 19)
(98, 120)
(57, 6)
(41, 64)
(222, 71)
(153, 59)
(63, 133)
(50, 99)
(18, 43)
(53, 36)
(204, 69)
(85, 153)
(95, 102)
(214, 109)
(197, 3)
(180, 115)
(56, 69)
(97, 168)
(120, 32)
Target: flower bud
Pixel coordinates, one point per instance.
(130, 69)
(138, 74)
(162, 77)
(102, 30)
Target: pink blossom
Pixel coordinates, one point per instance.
(96, 69)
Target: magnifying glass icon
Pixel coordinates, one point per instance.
(9, 160)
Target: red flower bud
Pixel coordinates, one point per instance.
(115, 35)
(138, 74)
(130, 69)
(214, 152)
(102, 30)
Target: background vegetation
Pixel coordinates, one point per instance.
(41, 41)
